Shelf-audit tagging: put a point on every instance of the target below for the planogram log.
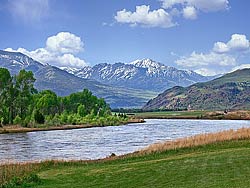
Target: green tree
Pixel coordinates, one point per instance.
(81, 110)
(6, 95)
(47, 103)
(39, 117)
(25, 88)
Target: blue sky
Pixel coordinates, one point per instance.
(209, 37)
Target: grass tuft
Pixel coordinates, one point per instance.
(198, 140)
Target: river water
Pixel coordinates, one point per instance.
(100, 142)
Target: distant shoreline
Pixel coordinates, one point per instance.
(206, 115)
(18, 129)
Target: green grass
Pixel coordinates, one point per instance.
(171, 114)
(224, 164)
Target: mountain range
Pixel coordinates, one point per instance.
(121, 85)
(231, 91)
(64, 83)
(143, 74)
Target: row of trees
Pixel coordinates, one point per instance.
(16, 94)
(21, 103)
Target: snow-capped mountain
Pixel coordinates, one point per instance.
(70, 70)
(64, 83)
(140, 74)
(15, 61)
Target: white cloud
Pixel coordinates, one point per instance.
(190, 8)
(28, 10)
(207, 64)
(64, 42)
(207, 71)
(237, 43)
(190, 13)
(201, 59)
(220, 47)
(164, 17)
(203, 5)
(59, 51)
(144, 17)
(224, 57)
(170, 3)
(71, 61)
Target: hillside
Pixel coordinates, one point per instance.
(64, 83)
(231, 91)
(143, 74)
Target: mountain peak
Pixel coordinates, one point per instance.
(146, 63)
(16, 61)
(145, 74)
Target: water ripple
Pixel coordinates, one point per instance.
(100, 142)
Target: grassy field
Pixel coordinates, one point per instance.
(217, 164)
(239, 114)
(171, 114)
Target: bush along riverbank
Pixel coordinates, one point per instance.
(86, 122)
(210, 160)
(26, 108)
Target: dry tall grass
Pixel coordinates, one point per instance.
(9, 171)
(202, 139)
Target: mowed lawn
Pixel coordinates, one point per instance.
(224, 164)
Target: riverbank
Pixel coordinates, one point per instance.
(20, 129)
(213, 115)
(211, 160)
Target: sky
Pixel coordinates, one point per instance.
(209, 37)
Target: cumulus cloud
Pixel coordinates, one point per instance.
(144, 17)
(59, 51)
(203, 5)
(190, 13)
(220, 47)
(28, 10)
(207, 64)
(70, 60)
(190, 8)
(164, 17)
(64, 42)
(237, 42)
(221, 59)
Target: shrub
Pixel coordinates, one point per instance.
(39, 117)
(56, 120)
(48, 120)
(1, 121)
(81, 110)
(27, 122)
(64, 117)
(17, 120)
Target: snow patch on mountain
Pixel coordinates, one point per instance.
(140, 74)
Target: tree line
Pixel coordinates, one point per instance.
(21, 103)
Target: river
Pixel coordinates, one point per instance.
(100, 142)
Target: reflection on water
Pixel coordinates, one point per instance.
(100, 142)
